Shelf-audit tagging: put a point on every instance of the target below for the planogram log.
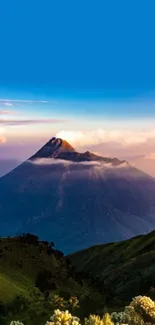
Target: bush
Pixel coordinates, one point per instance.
(141, 311)
(63, 318)
(96, 320)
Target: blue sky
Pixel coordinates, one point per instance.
(93, 64)
(72, 48)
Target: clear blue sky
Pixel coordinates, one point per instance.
(77, 48)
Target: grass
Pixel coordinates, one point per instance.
(105, 275)
(10, 288)
(127, 267)
(20, 264)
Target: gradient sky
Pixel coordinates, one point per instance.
(82, 70)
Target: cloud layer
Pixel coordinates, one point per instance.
(13, 122)
(93, 137)
(11, 102)
(8, 112)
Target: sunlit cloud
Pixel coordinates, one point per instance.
(150, 156)
(94, 137)
(7, 112)
(2, 139)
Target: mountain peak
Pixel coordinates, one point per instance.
(53, 148)
(60, 149)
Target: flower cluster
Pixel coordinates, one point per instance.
(128, 316)
(93, 320)
(63, 318)
(141, 311)
(16, 323)
(74, 302)
(145, 307)
(58, 301)
(96, 320)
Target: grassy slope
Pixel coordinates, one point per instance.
(127, 267)
(20, 264)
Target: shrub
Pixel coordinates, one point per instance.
(96, 320)
(63, 318)
(145, 307)
(16, 323)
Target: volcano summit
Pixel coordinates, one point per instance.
(76, 199)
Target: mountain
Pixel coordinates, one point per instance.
(127, 268)
(77, 199)
(6, 165)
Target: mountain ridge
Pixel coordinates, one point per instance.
(60, 149)
(92, 201)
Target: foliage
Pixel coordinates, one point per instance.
(66, 318)
(145, 307)
(16, 323)
(140, 311)
(63, 318)
(96, 320)
(123, 269)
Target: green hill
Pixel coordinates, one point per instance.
(124, 269)
(32, 272)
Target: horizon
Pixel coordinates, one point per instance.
(79, 71)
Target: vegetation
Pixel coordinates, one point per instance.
(141, 311)
(123, 269)
(36, 279)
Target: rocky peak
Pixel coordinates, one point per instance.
(53, 148)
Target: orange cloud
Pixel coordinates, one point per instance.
(151, 156)
(2, 139)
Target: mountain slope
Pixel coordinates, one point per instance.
(126, 268)
(32, 273)
(23, 258)
(77, 199)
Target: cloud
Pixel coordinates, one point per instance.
(11, 122)
(21, 102)
(9, 102)
(53, 161)
(124, 137)
(50, 161)
(7, 112)
(2, 139)
(150, 156)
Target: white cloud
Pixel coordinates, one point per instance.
(93, 137)
(8, 104)
(99, 164)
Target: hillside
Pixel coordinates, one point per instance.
(32, 272)
(125, 269)
(22, 259)
(103, 277)
(77, 199)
